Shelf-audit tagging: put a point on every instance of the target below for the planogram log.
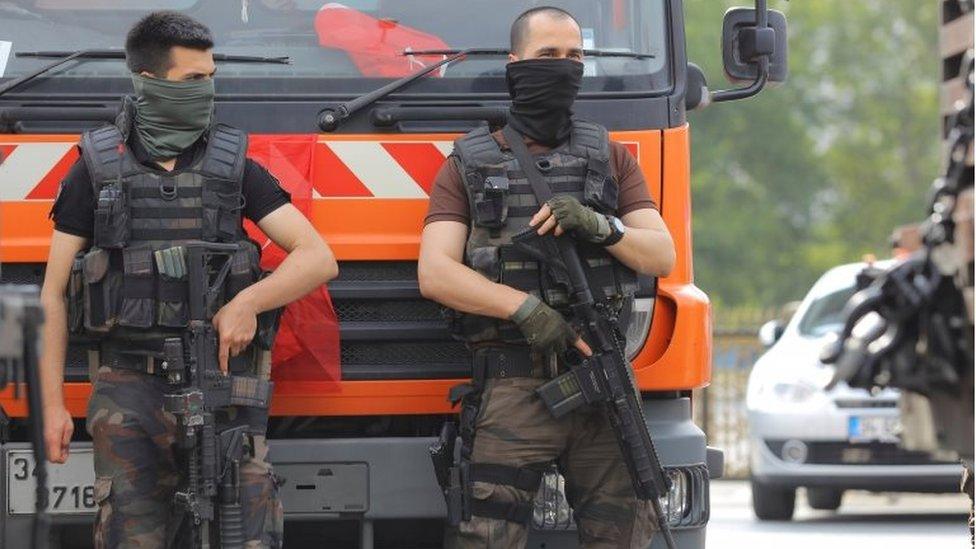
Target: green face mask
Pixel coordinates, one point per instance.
(171, 116)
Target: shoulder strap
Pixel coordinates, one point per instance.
(478, 148)
(100, 149)
(226, 153)
(594, 139)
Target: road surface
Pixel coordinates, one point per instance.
(865, 520)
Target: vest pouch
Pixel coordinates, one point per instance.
(172, 291)
(491, 205)
(600, 191)
(76, 295)
(112, 217)
(138, 288)
(487, 261)
(221, 215)
(102, 288)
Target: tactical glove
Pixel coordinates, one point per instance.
(582, 221)
(546, 330)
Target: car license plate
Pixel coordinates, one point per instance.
(873, 428)
(71, 486)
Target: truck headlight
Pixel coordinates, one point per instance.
(641, 311)
(686, 504)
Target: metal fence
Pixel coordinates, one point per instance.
(720, 408)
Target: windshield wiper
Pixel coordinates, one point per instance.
(330, 119)
(67, 56)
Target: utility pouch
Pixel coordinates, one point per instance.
(491, 207)
(487, 261)
(112, 217)
(102, 291)
(138, 288)
(451, 471)
(76, 295)
(172, 289)
(600, 189)
(221, 212)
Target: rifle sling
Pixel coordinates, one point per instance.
(516, 143)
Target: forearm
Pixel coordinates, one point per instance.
(307, 267)
(459, 287)
(647, 251)
(54, 344)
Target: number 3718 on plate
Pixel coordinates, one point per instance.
(71, 486)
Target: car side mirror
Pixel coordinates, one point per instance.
(754, 50)
(770, 332)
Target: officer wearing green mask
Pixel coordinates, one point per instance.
(513, 319)
(164, 174)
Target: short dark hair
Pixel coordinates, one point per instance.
(148, 44)
(520, 27)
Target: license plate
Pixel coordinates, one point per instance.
(873, 428)
(71, 486)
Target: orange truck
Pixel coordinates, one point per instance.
(357, 125)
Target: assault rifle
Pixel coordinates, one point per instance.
(604, 377)
(20, 321)
(210, 494)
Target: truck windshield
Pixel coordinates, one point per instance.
(336, 48)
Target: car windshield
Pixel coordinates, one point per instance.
(336, 48)
(824, 314)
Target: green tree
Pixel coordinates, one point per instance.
(816, 171)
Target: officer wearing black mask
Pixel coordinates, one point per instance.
(513, 319)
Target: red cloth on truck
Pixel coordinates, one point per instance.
(307, 346)
(376, 46)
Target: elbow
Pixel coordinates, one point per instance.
(329, 267)
(427, 280)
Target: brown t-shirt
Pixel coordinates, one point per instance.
(449, 201)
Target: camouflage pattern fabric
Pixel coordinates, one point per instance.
(515, 428)
(137, 470)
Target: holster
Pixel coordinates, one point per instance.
(451, 469)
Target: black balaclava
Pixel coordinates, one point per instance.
(543, 91)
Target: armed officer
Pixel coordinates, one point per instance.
(163, 175)
(510, 314)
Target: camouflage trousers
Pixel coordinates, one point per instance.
(137, 472)
(514, 428)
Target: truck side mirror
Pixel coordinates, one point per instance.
(743, 43)
(753, 50)
(696, 96)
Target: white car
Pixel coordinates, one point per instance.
(827, 441)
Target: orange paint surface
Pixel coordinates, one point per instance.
(677, 355)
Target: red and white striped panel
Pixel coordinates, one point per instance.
(32, 170)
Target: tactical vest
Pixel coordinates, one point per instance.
(502, 203)
(122, 289)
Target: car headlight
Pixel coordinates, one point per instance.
(800, 391)
(641, 311)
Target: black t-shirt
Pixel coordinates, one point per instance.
(74, 209)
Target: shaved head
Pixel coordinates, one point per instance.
(523, 25)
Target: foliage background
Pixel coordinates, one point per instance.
(819, 170)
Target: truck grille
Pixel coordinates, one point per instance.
(387, 330)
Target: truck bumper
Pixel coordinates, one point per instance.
(373, 480)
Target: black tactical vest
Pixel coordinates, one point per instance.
(128, 286)
(502, 203)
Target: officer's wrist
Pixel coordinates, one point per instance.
(525, 309)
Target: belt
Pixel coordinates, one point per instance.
(502, 362)
(144, 361)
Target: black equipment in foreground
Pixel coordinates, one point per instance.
(605, 377)
(20, 320)
(210, 494)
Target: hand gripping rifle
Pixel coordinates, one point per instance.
(20, 320)
(604, 377)
(210, 492)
